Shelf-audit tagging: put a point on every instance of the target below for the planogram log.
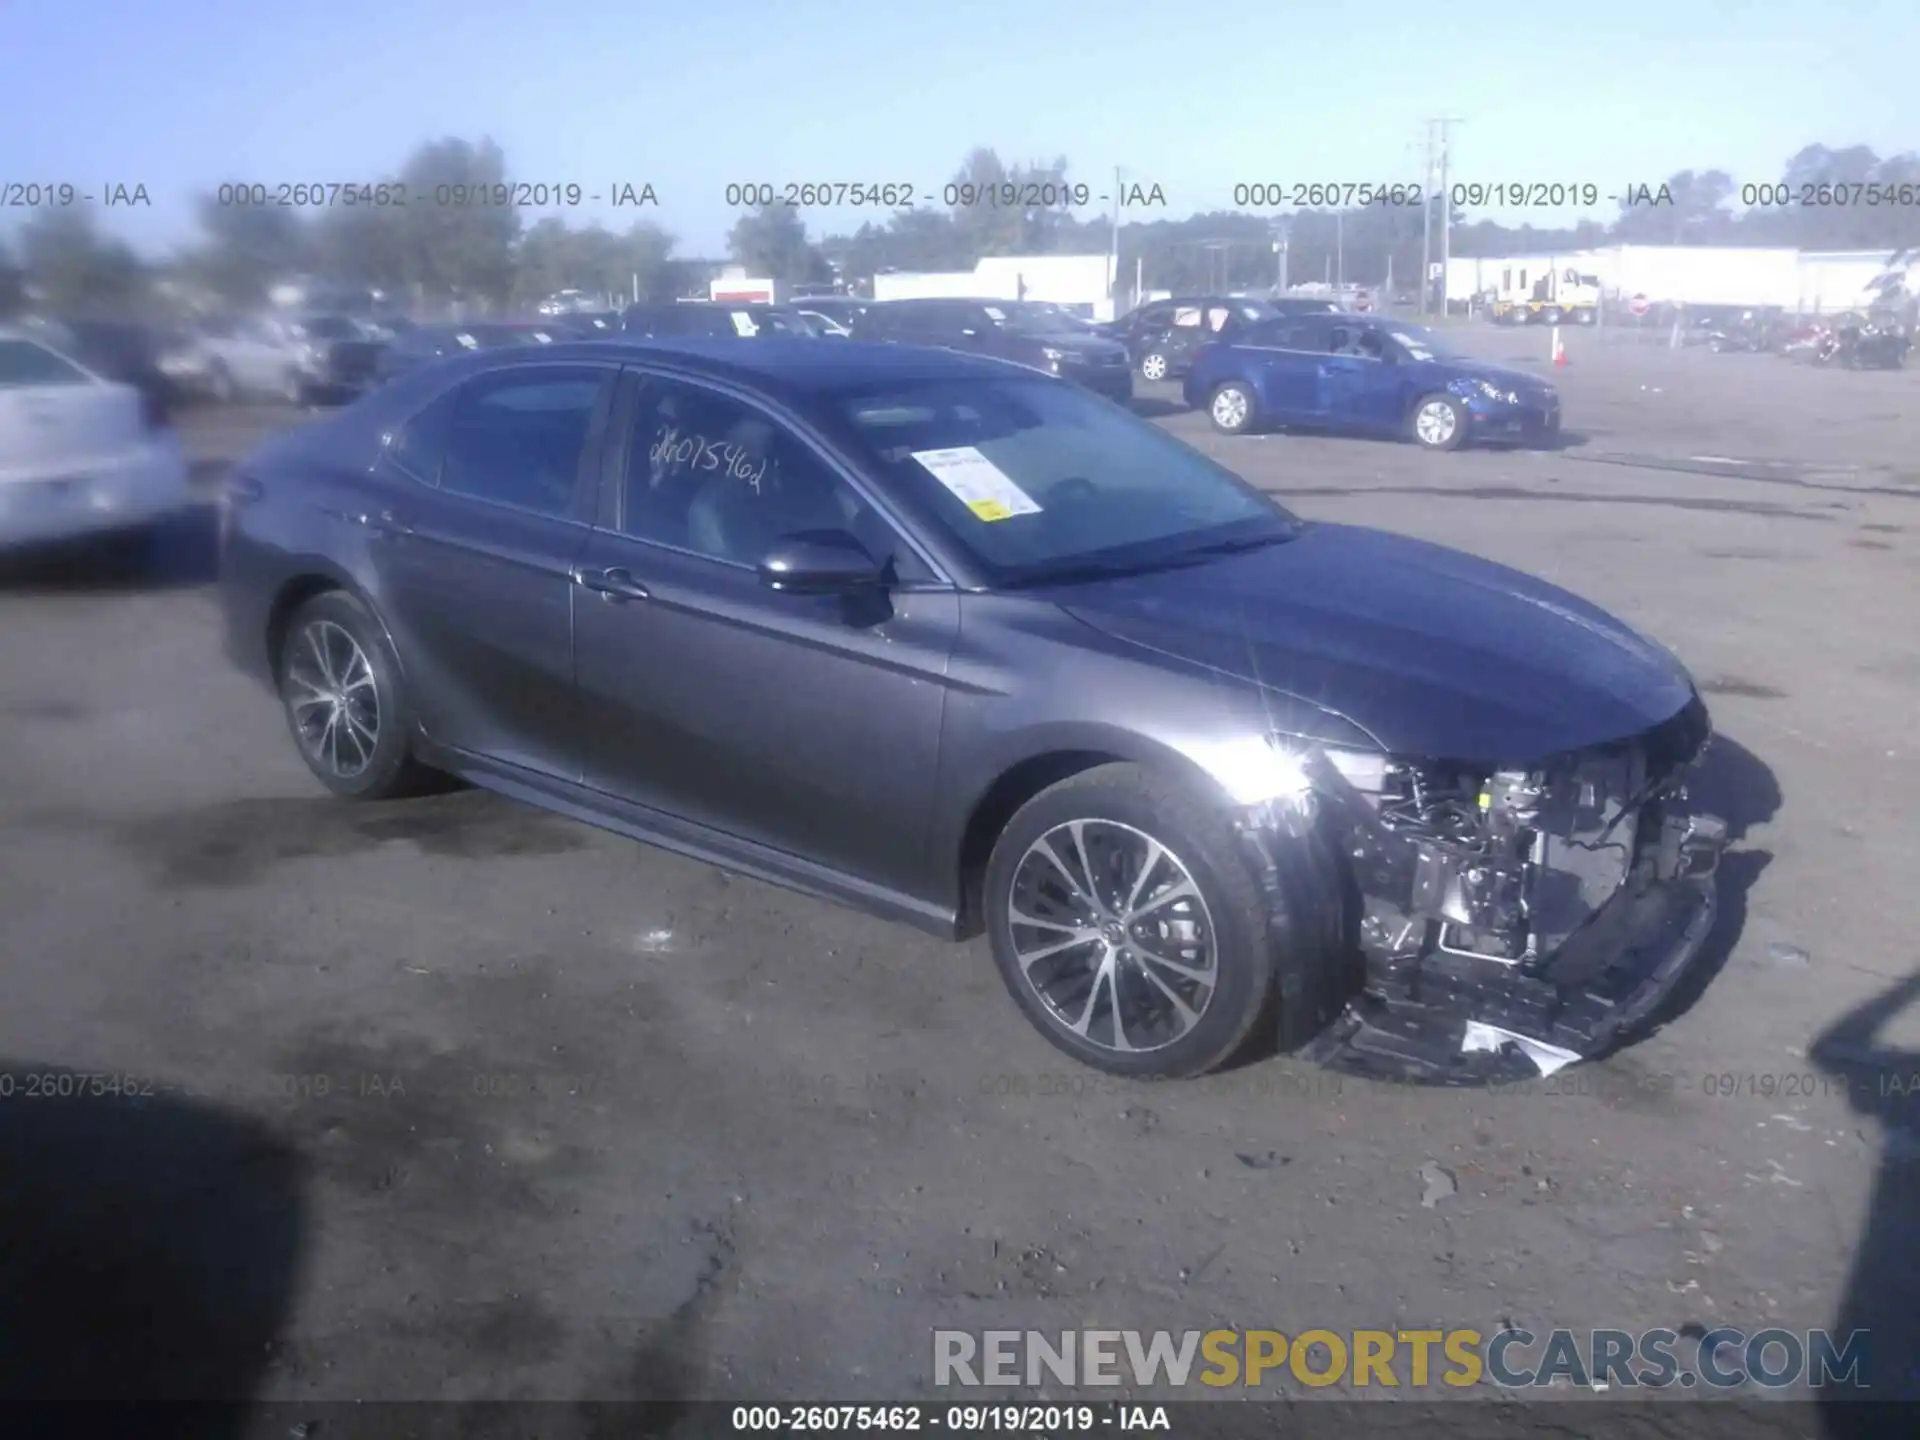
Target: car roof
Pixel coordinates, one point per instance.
(794, 365)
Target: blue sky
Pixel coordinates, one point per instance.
(180, 95)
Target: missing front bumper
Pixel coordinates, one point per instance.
(1441, 1005)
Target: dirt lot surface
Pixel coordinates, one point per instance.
(535, 1112)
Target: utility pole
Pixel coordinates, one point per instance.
(1426, 228)
(1446, 203)
(1113, 249)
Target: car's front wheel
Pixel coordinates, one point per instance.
(345, 702)
(1130, 929)
(1154, 366)
(1439, 422)
(1232, 408)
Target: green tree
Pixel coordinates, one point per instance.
(72, 269)
(459, 242)
(248, 249)
(772, 241)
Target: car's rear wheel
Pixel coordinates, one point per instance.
(1439, 422)
(1583, 317)
(1154, 366)
(1130, 928)
(345, 703)
(1232, 409)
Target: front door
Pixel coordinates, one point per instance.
(474, 556)
(809, 724)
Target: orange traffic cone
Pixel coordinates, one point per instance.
(1559, 350)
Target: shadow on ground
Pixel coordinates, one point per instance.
(1882, 1297)
(150, 1251)
(1741, 788)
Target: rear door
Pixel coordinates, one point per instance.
(1282, 359)
(57, 419)
(492, 499)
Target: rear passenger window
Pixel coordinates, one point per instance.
(24, 363)
(517, 439)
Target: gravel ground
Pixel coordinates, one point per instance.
(471, 1102)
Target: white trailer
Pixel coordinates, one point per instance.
(1079, 282)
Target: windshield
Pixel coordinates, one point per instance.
(1423, 344)
(1034, 318)
(1040, 481)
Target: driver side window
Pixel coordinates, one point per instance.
(714, 476)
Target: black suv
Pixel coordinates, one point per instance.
(1026, 332)
(1162, 335)
(696, 318)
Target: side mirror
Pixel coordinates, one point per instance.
(820, 562)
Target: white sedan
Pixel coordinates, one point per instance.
(80, 455)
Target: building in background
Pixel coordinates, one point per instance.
(1080, 283)
(1802, 281)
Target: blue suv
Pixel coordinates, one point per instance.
(1368, 375)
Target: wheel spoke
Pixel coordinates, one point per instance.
(1179, 967)
(1185, 1011)
(1180, 890)
(1102, 978)
(1147, 867)
(1079, 832)
(317, 643)
(1030, 958)
(1020, 917)
(1045, 848)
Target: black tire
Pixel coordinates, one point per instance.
(389, 770)
(1454, 438)
(1236, 401)
(1583, 316)
(1155, 367)
(1261, 950)
(1553, 315)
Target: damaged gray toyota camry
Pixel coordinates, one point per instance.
(969, 647)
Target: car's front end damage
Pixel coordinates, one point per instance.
(1509, 920)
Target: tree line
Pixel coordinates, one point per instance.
(487, 258)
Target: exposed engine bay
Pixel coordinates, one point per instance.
(1523, 917)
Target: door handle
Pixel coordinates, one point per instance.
(611, 585)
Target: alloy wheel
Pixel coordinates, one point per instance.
(1113, 935)
(1435, 423)
(333, 699)
(1154, 367)
(1230, 409)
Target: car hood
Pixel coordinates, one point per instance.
(1507, 375)
(1437, 654)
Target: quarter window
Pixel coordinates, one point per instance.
(514, 439)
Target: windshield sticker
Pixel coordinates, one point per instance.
(1414, 347)
(993, 314)
(674, 450)
(982, 486)
(467, 341)
(743, 325)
